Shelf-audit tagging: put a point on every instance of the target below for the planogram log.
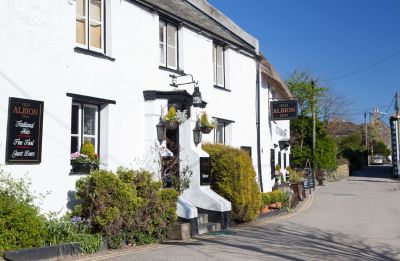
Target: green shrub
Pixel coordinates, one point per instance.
(279, 195)
(273, 197)
(157, 211)
(128, 206)
(21, 224)
(233, 177)
(265, 199)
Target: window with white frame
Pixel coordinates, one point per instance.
(84, 125)
(219, 65)
(90, 24)
(168, 37)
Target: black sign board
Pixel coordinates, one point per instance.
(284, 110)
(205, 170)
(24, 131)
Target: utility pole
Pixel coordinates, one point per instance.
(366, 137)
(314, 134)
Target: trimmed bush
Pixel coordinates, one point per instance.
(126, 207)
(233, 177)
(21, 224)
(265, 199)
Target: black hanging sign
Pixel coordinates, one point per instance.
(24, 131)
(283, 110)
(205, 171)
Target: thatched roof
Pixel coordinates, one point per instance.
(272, 76)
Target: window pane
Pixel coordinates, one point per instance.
(171, 57)
(75, 119)
(89, 123)
(92, 140)
(80, 8)
(220, 56)
(171, 37)
(74, 144)
(161, 31)
(80, 22)
(162, 54)
(95, 35)
(214, 63)
(95, 10)
(219, 137)
(80, 31)
(220, 76)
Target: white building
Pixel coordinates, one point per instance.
(102, 70)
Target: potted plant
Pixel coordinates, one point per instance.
(296, 183)
(86, 160)
(206, 126)
(174, 118)
(273, 199)
(321, 176)
(265, 200)
(279, 197)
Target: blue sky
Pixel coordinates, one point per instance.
(330, 38)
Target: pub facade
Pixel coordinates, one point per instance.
(104, 72)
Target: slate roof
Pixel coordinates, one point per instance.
(191, 15)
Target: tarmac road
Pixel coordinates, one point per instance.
(353, 219)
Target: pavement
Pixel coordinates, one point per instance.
(353, 219)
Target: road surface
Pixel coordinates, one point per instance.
(353, 219)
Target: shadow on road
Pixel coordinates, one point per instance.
(293, 242)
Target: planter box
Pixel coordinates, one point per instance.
(83, 167)
(179, 231)
(40, 253)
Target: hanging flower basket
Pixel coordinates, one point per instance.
(171, 125)
(206, 129)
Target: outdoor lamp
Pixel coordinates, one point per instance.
(197, 101)
(174, 80)
(161, 131)
(197, 133)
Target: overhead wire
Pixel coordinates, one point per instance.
(363, 68)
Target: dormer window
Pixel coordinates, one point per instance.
(168, 37)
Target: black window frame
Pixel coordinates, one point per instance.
(98, 107)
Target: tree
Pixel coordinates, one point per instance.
(333, 105)
(308, 96)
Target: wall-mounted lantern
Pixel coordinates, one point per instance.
(197, 133)
(161, 131)
(197, 100)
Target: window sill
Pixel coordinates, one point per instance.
(93, 53)
(171, 70)
(78, 173)
(221, 88)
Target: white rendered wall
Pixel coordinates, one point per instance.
(38, 62)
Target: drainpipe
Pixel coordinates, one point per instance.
(258, 123)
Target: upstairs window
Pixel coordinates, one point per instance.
(168, 37)
(90, 24)
(219, 65)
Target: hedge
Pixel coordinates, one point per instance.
(233, 177)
